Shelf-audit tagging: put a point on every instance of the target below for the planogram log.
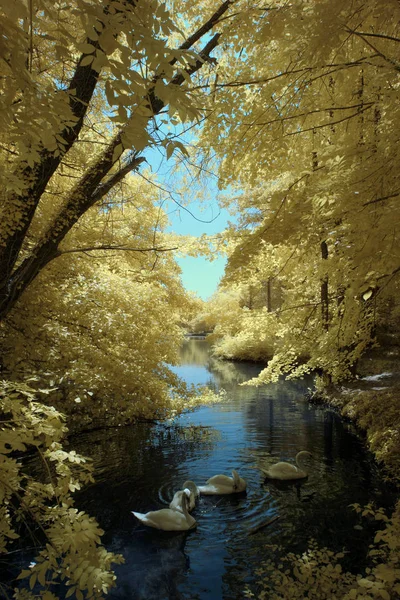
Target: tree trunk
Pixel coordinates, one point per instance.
(324, 290)
(90, 188)
(269, 303)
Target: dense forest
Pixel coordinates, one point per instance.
(293, 107)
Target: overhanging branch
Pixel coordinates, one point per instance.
(117, 247)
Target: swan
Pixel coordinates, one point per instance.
(285, 471)
(222, 484)
(169, 519)
(194, 493)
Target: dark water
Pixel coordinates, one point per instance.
(138, 468)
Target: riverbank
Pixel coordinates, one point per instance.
(376, 412)
(372, 402)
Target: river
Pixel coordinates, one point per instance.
(139, 468)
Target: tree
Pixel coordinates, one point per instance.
(72, 555)
(312, 145)
(77, 76)
(103, 336)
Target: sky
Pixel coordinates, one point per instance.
(199, 275)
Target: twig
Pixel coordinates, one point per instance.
(111, 247)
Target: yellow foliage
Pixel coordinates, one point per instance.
(100, 325)
(308, 142)
(72, 551)
(318, 573)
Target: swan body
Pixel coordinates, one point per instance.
(168, 519)
(222, 484)
(286, 471)
(176, 503)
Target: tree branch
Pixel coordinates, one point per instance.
(106, 186)
(329, 123)
(306, 114)
(387, 59)
(110, 247)
(86, 192)
(377, 35)
(263, 80)
(381, 199)
(192, 39)
(79, 92)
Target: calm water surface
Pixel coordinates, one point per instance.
(139, 468)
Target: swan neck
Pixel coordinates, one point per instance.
(236, 478)
(184, 505)
(299, 461)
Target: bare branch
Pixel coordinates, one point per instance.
(386, 58)
(192, 39)
(329, 123)
(118, 247)
(106, 186)
(382, 199)
(263, 80)
(280, 119)
(392, 274)
(377, 35)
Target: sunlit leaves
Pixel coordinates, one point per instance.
(112, 321)
(74, 65)
(309, 142)
(318, 573)
(72, 552)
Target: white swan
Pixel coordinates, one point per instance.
(285, 471)
(168, 519)
(176, 503)
(222, 484)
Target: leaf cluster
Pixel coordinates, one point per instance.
(43, 506)
(308, 141)
(318, 573)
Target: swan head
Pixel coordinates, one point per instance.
(192, 487)
(238, 482)
(186, 498)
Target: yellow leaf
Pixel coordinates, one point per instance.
(42, 575)
(86, 48)
(24, 573)
(86, 60)
(32, 580)
(118, 150)
(70, 592)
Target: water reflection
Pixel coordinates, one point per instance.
(139, 468)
